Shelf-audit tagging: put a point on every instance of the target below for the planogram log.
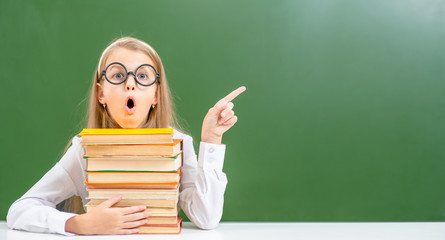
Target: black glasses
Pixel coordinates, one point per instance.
(116, 73)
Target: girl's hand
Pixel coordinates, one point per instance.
(220, 118)
(104, 219)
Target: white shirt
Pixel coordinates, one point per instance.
(201, 193)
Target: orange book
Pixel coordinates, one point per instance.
(162, 220)
(155, 211)
(158, 203)
(166, 149)
(166, 185)
(133, 193)
(161, 228)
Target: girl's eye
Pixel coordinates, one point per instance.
(118, 76)
(142, 76)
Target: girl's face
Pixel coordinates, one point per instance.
(128, 103)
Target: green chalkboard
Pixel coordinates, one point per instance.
(343, 118)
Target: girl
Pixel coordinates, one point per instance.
(130, 90)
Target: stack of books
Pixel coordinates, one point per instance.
(142, 165)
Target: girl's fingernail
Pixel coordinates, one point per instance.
(223, 115)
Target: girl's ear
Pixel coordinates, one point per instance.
(155, 101)
(100, 94)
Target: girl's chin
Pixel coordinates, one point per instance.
(129, 124)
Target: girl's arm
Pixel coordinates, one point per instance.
(220, 118)
(104, 219)
(36, 210)
(203, 183)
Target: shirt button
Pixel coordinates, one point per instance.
(211, 150)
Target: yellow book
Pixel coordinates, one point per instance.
(124, 131)
(126, 136)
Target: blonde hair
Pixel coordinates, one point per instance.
(162, 116)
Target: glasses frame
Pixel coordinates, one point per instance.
(128, 73)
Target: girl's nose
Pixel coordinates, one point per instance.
(130, 84)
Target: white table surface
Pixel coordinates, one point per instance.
(275, 231)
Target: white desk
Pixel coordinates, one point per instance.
(275, 231)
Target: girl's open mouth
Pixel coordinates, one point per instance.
(131, 105)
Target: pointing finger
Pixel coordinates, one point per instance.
(231, 96)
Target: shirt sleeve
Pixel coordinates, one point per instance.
(36, 210)
(203, 184)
